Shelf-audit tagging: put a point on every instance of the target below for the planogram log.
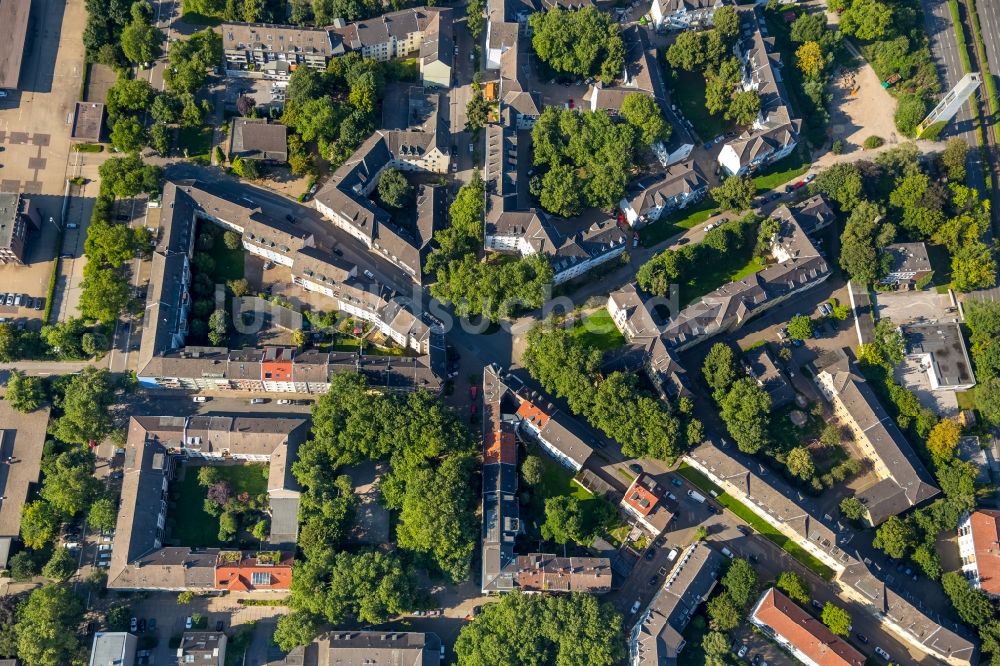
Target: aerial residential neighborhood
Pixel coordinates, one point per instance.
(499, 332)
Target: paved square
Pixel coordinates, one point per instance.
(10, 185)
(3, 135)
(19, 137)
(40, 139)
(33, 187)
(36, 163)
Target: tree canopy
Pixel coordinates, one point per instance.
(586, 157)
(85, 407)
(643, 112)
(532, 629)
(46, 627)
(580, 43)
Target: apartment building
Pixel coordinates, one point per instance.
(979, 548)
(140, 560)
(22, 439)
(940, 349)
(113, 648)
(207, 648)
(908, 264)
(261, 50)
(503, 570)
(164, 360)
(764, 493)
(640, 75)
(903, 481)
(14, 16)
(559, 435)
(393, 35)
(657, 638)
(794, 629)
(679, 186)
(19, 220)
(683, 14)
(366, 648)
(775, 132)
(644, 502)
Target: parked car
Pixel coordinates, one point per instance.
(122, 218)
(40, 303)
(650, 554)
(635, 467)
(672, 555)
(653, 579)
(882, 653)
(133, 624)
(816, 604)
(187, 622)
(742, 651)
(862, 638)
(728, 553)
(219, 626)
(284, 402)
(152, 624)
(200, 398)
(810, 178)
(142, 626)
(677, 482)
(258, 401)
(744, 530)
(635, 607)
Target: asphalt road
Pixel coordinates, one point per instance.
(944, 50)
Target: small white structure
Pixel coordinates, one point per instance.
(683, 14)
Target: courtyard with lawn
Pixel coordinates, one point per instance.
(211, 501)
(597, 330)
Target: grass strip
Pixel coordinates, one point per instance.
(768, 531)
(977, 35)
(956, 23)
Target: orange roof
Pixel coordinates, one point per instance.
(529, 412)
(986, 539)
(248, 574)
(810, 636)
(641, 495)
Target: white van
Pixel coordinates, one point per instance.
(672, 555)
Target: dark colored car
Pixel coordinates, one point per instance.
(142, 625)
(677, 482)
(862, 638)
(653, 579)
(337, 251)
(635, 467)
(122, 218)
(743, 529)
(219, 626)
(650, 554)
(289, 218)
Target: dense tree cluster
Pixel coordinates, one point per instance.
(336, 108)
(816, 48)
(739, 588)
(898, 186)
(585, 160)
(578, 43)
(139, 39)
(551, 629)
(643, 425)
(496, 287)
(568, 519)
(46, 627)
(191, 59)
(680, 266)
(644, 113)
(430, 455)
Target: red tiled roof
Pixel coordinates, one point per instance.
(806, 633)
(239, 575)
(986, 539)
(529, 412)
(640, 496)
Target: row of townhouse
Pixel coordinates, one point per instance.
(656, 332)
(770, 498)
(261, 50)
(775, 132)
(503, 569)
(140, 560)
(164, 360)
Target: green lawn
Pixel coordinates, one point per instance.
(766, 530)
(730, 267)
(781, 172)
(558, 480)
(197, 141)
(688, 92)
(599, 331)
(678, 222)
(966, 399)
(192, 526)
(228, 263)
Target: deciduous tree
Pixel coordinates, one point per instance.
(745, 409)
(734, 194)
(47, 626)
(24, 393)
(836, 619)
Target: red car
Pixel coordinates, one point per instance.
(473, 391)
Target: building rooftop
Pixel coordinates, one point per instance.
(909, 483)
(657, 638)
(803, 631)
(986, 540)
(772, 379)
(279, 38)
(908, 258)
(944, 343)
(87, 121)
(201, 647)
(373, 648)
(257, 139)
(22, 439)
(113, 648)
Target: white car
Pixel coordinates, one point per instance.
(882, 653)
(187, 622)
(199, 398)
(284, 402)
(742, 652)
(635, 607)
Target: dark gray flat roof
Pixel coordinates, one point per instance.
(87, 121)
(13, 29)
